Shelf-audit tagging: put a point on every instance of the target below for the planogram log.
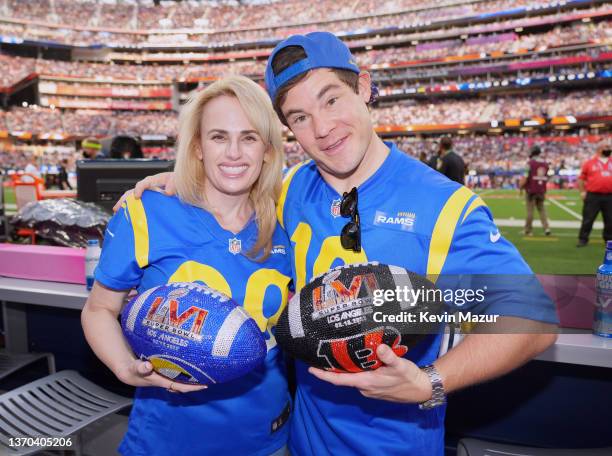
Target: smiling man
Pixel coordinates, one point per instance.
(401, 213)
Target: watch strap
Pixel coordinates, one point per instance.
(438, 396)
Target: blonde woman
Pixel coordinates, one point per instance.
(221, 230)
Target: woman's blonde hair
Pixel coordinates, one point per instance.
(189, 169)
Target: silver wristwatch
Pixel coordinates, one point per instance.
(438, 396)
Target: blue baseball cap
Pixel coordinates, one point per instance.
(323, 50)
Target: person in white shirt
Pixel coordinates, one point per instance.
(31, 168)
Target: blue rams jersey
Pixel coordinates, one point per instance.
(413, 217)
(158, 240)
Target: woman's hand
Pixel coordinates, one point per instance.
(163, 182)
(104, 335)
(140, 373)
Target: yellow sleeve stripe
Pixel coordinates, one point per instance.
(476, 202)
(141, 230)
(280, 207)
(444, 230)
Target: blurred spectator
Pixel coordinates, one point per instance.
(449, 163)
(91, 148)
(423, 157)
(125, 147)
(534, 184)
(32, 169)
(62, 175)
(595, 184)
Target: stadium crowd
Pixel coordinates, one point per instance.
(221, 16)
(84, 122)
(139, 123)
(486, 81)
(14, 69)
(17, 68)
(510, 152)
(248, 23)
(492, 161)
(34, 119)
(505, 42)
(403, 112)
(450, 111)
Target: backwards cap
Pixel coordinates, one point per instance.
(323, 50)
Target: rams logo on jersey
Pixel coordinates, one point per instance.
(405, 220)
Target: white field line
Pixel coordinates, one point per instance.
(575, 224)
(566, 209)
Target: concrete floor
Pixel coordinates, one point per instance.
(103, 438)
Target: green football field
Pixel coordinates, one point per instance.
(555, 254)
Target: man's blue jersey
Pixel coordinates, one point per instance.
(159, 239)
(413, 217)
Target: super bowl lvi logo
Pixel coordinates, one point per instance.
(333, 291)
(164, 315)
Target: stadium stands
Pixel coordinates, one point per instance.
(459, 66)
(120, 24)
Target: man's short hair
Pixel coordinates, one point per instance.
(535, 151)
(125, 144)
(446, 143)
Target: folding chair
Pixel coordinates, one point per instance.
(57, 406)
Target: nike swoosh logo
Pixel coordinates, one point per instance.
(494, 237)
(109, 232)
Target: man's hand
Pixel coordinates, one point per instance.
(141, 373)
(583, 195)
(398, 380)
(162, 181)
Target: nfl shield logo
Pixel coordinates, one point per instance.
(235, 246)
(335, 208)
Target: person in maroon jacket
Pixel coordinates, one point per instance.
(534, 184)
(595, 185)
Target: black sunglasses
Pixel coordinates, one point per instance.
(350, 238)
